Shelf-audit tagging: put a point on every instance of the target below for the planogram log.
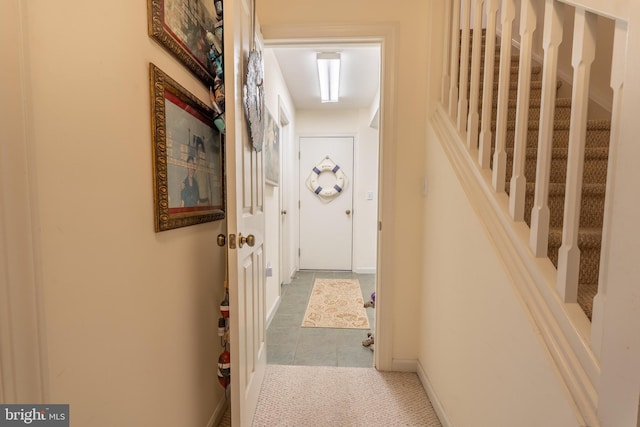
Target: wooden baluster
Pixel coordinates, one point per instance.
(472, 123)
(618, 63)
(455, 59)
(518, 191)
(464, 68)
(446, 55)
(553, 30)
(584, 46)
(484, 150)
(507, 16)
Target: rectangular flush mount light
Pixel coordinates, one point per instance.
(329, 74)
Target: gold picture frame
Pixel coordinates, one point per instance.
(191, 30)
(188, 156)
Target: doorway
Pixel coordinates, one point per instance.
(384, 36)
(336, 244)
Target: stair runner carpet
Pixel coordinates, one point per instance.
(594, 177)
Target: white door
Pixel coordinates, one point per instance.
(326, 226)
(245, 216)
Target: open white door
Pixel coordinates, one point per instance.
(245, 217)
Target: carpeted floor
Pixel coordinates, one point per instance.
(331, 396)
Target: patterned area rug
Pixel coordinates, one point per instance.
(330, 396)
(336, 303)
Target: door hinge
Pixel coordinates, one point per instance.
(379, 225)
(298, 155)
(298, 204)
(232, 241)
(298, 251)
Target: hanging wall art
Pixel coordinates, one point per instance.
(192, 31)
(329, 192)
(271, 150)
(188, 156)
(253, 91)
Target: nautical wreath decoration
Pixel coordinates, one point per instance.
(327, 194)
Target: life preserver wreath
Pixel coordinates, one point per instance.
(327, 193)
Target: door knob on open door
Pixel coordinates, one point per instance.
(249, 240)
(348, 212)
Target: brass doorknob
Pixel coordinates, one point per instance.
(348, 212)
(249, 240)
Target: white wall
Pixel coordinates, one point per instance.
(478, 347)
(129, 315)
(353, 123)
(276, 98)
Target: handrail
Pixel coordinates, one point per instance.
(614, 9)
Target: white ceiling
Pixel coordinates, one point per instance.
(359, 75)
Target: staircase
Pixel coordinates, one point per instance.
(594, 176)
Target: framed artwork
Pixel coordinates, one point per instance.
(271, 150)
(192, 31)
(188, 156)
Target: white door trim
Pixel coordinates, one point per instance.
(23, 356)
(385, 35)
(287, 145)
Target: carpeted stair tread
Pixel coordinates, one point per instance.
(587, 237)
(596, 155)
(562, 109)
(561, 125)
(591, 201)
(599, 153)
(536, 103)
(595, 164)
(597, 133)
(589, 242)
(514, 71)
(586, 293)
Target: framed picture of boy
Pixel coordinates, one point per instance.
(188, 156)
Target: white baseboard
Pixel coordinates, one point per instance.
(433, 397)
(217, 415)
(365, 270)
(274, 310)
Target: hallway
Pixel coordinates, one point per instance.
(290, 344)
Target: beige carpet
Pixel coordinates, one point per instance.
(330, 396)
(336, 303)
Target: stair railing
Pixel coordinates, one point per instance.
(489, 148)
(476, 128)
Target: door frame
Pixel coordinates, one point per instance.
(384, 34)
(286, 142)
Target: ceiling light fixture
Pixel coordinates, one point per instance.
(329, 74)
